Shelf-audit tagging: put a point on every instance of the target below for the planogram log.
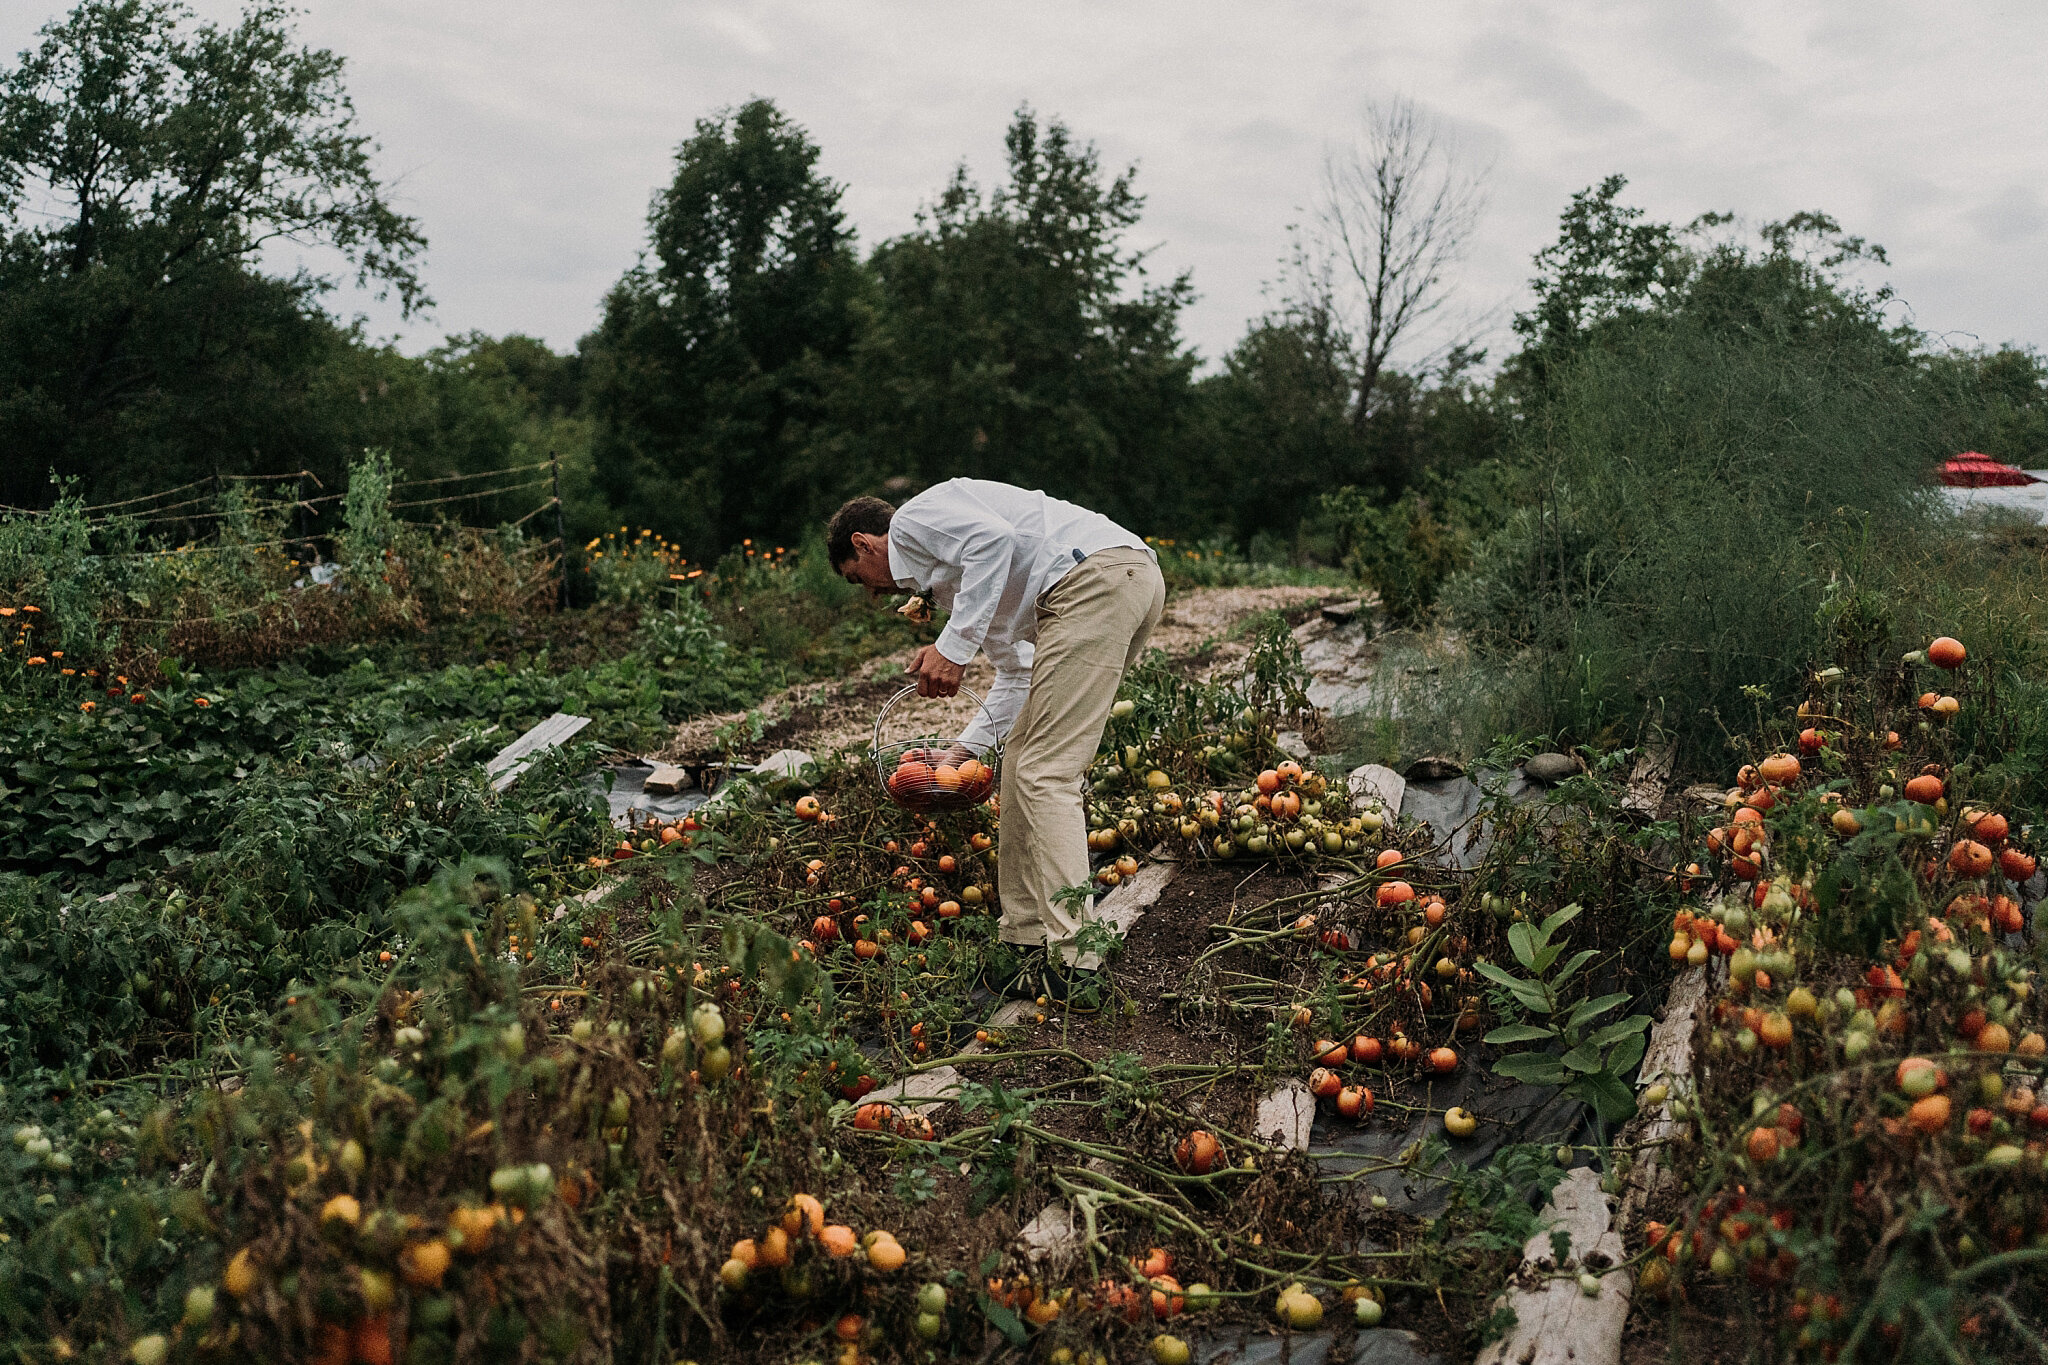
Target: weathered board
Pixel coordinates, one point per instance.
(515, 758)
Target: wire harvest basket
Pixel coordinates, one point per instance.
(930, 774)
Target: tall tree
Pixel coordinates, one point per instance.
(1394, 217)
(1280, 405)
(1019, 338)
(146, 162)
(1606, 262)
(708, 373)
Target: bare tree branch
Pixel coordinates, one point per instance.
(1395, 213)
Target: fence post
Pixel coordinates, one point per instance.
(561, 533)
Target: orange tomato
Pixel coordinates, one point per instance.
(1779, 769)
(1926, 789)
(1929, 1114)
(1197, 1152)
(1969, 859)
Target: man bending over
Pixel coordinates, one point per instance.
(1062, 601)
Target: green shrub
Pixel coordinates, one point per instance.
(1693, 489)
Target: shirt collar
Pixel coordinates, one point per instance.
(898, 570)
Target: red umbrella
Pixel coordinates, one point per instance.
(1972, 469)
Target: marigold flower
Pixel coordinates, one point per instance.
(88, 706)
(201, 701)
(38, 659)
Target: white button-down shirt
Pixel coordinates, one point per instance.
(985, 552)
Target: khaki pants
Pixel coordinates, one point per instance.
(1092, 625)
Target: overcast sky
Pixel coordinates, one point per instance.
(527, 135)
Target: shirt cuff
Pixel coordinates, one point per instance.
(956, 649)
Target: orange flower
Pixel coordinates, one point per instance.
(6, 611)
(138, 697)
(68, 672)
(87, 706)
(201, 701)
(31, 608)
(37, 659)
(56, 653)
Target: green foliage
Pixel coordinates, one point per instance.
(367, 527)
(1403, 551)
(1594, 1061)
(1408, 549)
(708, 371)
(1277, 428)
(1016, 337)
(2006, 391)
(1694, 475)
(1606, 263)
(139, 339)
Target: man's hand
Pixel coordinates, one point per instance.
(937, 675)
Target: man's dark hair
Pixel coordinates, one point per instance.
(869, 516)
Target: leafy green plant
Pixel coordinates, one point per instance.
(1594, 1059)
(368, 528)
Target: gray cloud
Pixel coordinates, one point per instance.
(1542, 76)
(529, 134)
(2013, 216)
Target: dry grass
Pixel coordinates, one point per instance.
(826, 717)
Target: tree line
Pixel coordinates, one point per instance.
(757, 364)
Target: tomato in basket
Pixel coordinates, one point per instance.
(929, 775)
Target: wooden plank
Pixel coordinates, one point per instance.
(1556, 1322)
(666, 780)
(1128, 901)
(1374, 784)
(1648, 780)
(516, 757)
(1666, 1058)
(1285, 1116)
(922, 1089)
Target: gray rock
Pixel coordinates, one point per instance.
(1551, 769)
(1341, 613)
(1291, 743)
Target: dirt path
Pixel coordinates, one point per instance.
(824, 717)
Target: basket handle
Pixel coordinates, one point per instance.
(882, 717)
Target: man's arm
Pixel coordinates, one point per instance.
(1006, 697)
